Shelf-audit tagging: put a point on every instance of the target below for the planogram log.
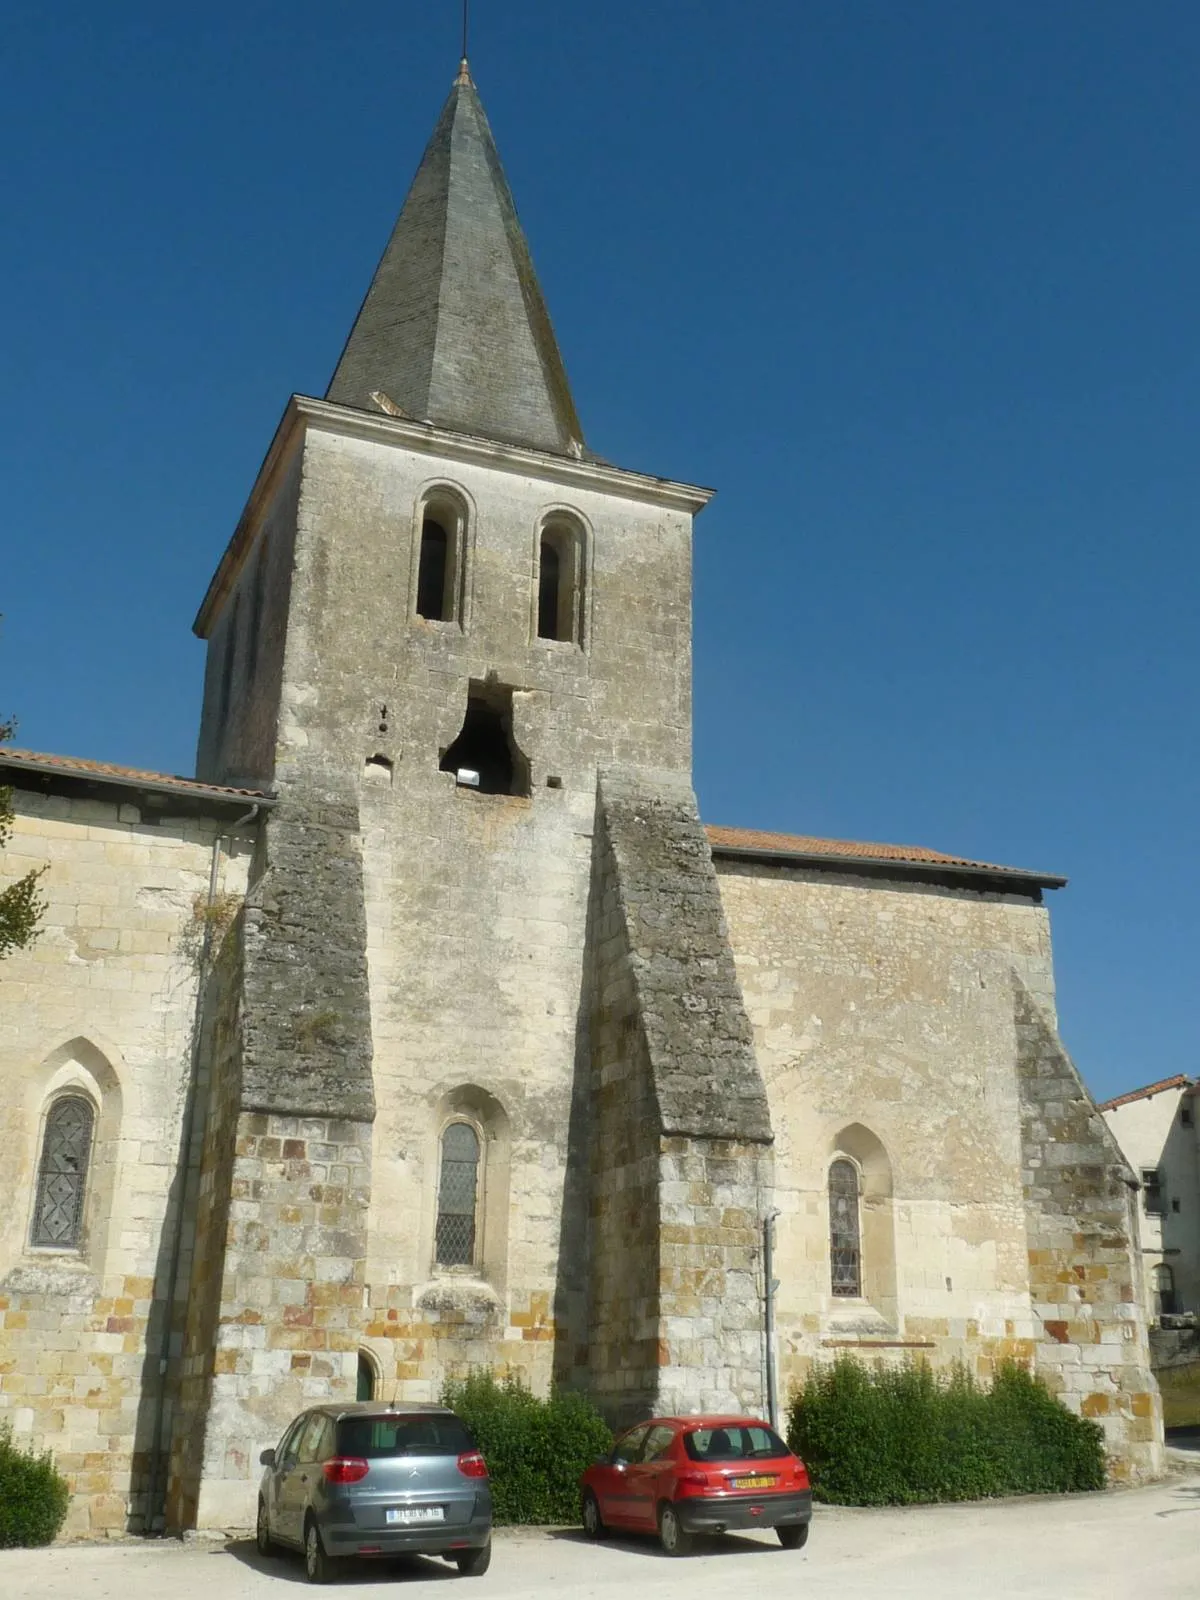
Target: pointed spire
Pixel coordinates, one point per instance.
(454, 329)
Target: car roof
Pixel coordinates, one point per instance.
(382, 1408)
(724, 1420)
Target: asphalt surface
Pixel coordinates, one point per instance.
(1132, 1542)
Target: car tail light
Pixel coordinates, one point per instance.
(692, 1480)
(800, 1474)
(472, 1465)
(345, 1469)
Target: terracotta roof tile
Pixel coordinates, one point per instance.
(1179, 1081)
(76, 766)
(796, 844)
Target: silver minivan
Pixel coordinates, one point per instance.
(376, 1480)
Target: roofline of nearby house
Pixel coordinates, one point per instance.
(1180, 1080)
(977, 874)
(61, 775)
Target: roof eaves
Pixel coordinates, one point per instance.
(105, 776)
(1179, 1081)
(888, 865)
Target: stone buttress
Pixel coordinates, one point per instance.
(278, 1278)
(681, 1138)
(1083, 1262)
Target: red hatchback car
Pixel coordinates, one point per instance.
(679, 1476)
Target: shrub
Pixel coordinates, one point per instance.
(33, 1495)
(904, 1436)
(535, 1449)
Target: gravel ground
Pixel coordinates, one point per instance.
(1133, 1542)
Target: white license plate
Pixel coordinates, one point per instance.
(405, 1514)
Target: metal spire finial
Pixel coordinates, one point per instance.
(464, 71)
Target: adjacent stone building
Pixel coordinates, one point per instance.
(428, 1027)
(1156, 1128)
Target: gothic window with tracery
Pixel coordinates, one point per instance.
(458, 1190)
(62, 1174)
(845, 1247)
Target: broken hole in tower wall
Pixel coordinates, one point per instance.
(486, 747)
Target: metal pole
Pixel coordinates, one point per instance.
(769, 1315)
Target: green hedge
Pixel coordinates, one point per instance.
(903, 1436)
(535, 1449)
(33, 1495)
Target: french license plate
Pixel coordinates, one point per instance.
(754, 1483)
(405, 1514)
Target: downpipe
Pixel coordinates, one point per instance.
(770, 1285)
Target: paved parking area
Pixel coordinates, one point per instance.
(1093, 1547)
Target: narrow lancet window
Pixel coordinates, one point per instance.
(845, 1252)
(457, 1194)
(549, 583)
(560, 582)
(431, 574)
(62, 1174)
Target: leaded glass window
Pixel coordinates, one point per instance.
(845, 1250)
(62, 1176)
(457, 1196)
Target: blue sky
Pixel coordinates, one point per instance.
(915, 286)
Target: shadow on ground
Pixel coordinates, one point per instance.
(288, 1566)
(632, 1544)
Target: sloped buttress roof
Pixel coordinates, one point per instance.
(454, 329)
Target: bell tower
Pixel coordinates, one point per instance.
(441, 628)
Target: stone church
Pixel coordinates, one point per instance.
(429, 1027)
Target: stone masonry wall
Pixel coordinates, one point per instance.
(102, 1004)
(883, 1022)
(475, 903)
(1083, 1267)
(279, 1302)
(681, 1174)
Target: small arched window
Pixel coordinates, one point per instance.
(62, 1173)
(1163, 1282)
(560, 582)
(431, 575)
(458, 1195)
(845, 1251)
(365, 1387)
(441, 556)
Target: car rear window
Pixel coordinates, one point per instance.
(733, 1443)
(371, 1437)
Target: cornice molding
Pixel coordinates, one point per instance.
(304, 413)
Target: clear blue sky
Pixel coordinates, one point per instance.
(915, 286)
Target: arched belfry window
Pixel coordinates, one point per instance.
(62, 1173)
(442, 523)
(431, 577)
(845, 1247)
(458, 1196)
(560, 581)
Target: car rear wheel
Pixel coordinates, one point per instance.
(317, 1566)
(262, 1530)
(793, 1537)
(473, 1563)
(673, 1536)
(593, 1522)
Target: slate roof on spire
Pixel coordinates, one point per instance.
(454, 329)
